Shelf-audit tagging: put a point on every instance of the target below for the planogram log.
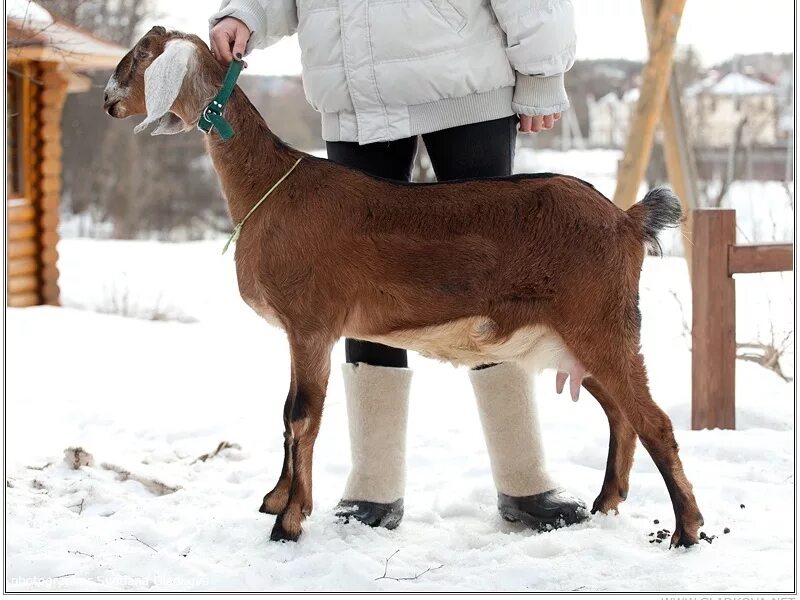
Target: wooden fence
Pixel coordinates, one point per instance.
(715, 259)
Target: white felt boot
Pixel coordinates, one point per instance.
(507, 409)
(377, 414)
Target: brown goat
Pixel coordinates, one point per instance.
(538, 269)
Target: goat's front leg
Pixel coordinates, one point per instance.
(277, 499)
(311, 365)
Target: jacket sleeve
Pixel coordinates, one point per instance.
(268, 20)
(541, 48)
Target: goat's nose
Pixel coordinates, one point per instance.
(109, 105)
(105, 99)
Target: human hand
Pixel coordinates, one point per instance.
(531, 124)
(229, 40)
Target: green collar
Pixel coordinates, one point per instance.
(212, 116)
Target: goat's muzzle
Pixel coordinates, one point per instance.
(110, 106)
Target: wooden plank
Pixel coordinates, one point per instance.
(713, 321)
(21, 231)
(55, 95)
(49, 256)
(760, 258)
(678, 152)
(28, 91)
(23, 283)
(49, 221)
(51, 185)
(49, 275)
(51, 295)
(49, 238)
(22, 248)
(50, 203)
(51, 168)
(22, 213)
(22, 266)
(653, 91)
(52, 152)
(51, 76)
(51, 116)
(51, 131)
(23, 300)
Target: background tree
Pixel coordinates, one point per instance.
(115, 20)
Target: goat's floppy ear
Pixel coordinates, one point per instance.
(170, 124)
(163, 80)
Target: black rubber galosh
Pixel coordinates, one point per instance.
(549, 510)
(374, 514)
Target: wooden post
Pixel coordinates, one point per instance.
(653, 91)
(713, 321)
(51, 105)
(678, 153)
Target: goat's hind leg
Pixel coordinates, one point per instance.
(621, 447)
(626, 382)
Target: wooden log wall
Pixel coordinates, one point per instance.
(33, 218)
(24, 267)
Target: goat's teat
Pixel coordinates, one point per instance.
(576, 373)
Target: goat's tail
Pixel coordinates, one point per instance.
(659, 209)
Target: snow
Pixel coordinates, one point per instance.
(148, 395)
(61, 35)
(631, 96)
(732, 84)
(738, 84)
(29, 14)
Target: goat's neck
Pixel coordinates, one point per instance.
(252, 160)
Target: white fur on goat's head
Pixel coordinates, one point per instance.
(167, 76)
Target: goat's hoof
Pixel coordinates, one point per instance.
(687, 535)
(682, 538)
(280, 533)
(607, 503)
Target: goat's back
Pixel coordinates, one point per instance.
(399, 256)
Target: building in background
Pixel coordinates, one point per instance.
(46, 61)
(716, 105)
(739, 121)
(609, 117)
(713, 106)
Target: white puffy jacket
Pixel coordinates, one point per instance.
(381, 70)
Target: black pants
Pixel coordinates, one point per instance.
(478, 150)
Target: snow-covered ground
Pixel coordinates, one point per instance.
(148, 396)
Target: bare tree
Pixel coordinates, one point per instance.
(115, 20)
(733, 170)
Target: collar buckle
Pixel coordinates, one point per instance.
(212, 116)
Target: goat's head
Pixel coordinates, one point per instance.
(169, 76)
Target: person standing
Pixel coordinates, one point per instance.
(465, 76)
